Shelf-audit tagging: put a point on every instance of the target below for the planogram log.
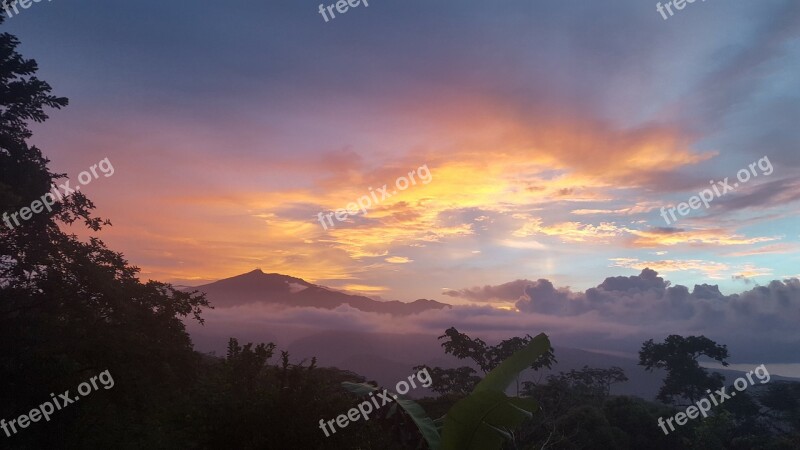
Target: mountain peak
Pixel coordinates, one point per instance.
(273, 288)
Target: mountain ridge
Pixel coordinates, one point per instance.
(257, 287)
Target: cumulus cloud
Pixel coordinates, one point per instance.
(543, 297)
(508, 292)
(648, 296)
(759, 324)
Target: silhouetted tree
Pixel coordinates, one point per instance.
(591, 381)
(459, 381)
(782, 403)
(246, 402)
(488, 357)
(485, 356)
(70, 309)
(678, 356)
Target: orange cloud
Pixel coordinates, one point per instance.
(714, 270)
(229, 214)
(398, 260)
(658, 237)
(710, 269)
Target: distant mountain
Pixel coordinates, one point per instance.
(273, 288)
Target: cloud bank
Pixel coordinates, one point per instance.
(758, 325)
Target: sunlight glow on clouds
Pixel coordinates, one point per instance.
(547, 160)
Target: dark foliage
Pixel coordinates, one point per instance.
(678, 355)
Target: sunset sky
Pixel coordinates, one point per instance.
(554, 132)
